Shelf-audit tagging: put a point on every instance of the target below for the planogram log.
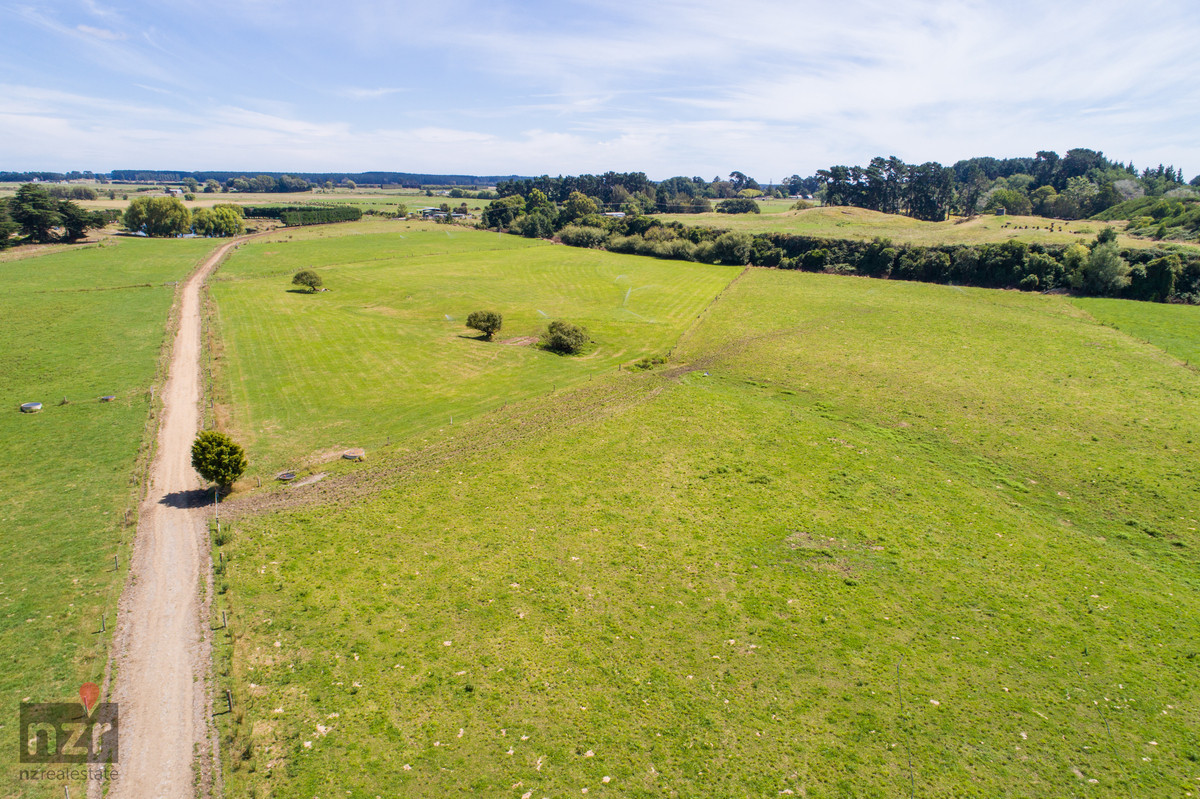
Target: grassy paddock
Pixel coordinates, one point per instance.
(1174, 328)
(385, 352)
(75, 325)
(850, 525)
(862, 224)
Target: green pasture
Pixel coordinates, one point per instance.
(772, 205)
(1174, 328)
(76, 325)
(857, 539)
(384, 353)
(861, 224)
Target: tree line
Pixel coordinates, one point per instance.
(298, 215)
(634, 193)
(1080, 184)
(1098, 268)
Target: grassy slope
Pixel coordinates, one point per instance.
(1171, 327)
(375, 357)
(860, 223)
(707, 588)
(76, 325)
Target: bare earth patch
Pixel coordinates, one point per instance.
(312, 478)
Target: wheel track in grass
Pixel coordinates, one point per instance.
(517, 422)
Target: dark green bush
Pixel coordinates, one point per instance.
(486, 322)
(738, 205)
(564, 338)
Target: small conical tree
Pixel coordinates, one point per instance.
(218, 458)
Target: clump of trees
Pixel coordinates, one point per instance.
(73, 192)
(220, 221)
(267, 184)
(43, 218)
(1079, 184)
(165, 217)
(486, 322)
(308, 279)
(631, 193)
(158, 217)
(891, 186)
(738, 205)
(218, 458)
(564, 338)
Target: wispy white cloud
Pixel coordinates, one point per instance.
(356, 93)
(155, 89)
(100, 33)
(99, 10)
(107, 49)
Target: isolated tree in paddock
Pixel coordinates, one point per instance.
(486, 322)
(218, 458)
(307, 278)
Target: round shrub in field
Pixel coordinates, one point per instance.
(307, 278)
(564, 338)
(486, 322)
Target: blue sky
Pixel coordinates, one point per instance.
(691, 87)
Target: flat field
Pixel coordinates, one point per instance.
(859, 539)
(385, 353)
(76, 325)
(862, 224)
